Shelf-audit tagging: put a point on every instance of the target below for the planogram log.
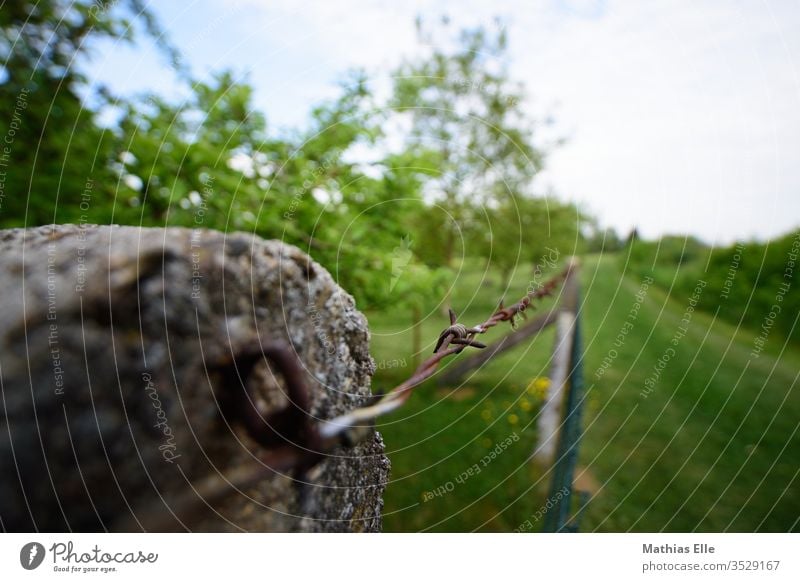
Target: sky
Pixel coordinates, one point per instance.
(678, 116)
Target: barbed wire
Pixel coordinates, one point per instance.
(452, 340)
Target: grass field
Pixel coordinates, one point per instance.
(712, 444)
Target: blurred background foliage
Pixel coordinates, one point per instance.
(743, 279)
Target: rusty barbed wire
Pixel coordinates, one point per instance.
(291, 441)
(289, 438)
(456, 335)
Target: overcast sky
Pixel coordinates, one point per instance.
(680, 116)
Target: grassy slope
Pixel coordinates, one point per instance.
(714, 447)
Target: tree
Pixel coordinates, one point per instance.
(529, 231)
(463, 109)
(599, 239)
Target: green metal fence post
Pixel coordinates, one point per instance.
(557, 519)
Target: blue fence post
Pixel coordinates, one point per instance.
(557, 519)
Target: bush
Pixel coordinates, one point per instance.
(745, 281)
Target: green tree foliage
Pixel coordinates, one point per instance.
(745, 281)
(599, 239)
(210, 162)
(196, 163)
(463, 109)
(53, 145)
(521, 230)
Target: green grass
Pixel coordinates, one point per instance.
(715, 446)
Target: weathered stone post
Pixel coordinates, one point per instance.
(111, 343)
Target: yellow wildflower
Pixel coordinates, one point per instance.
(538, 387)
